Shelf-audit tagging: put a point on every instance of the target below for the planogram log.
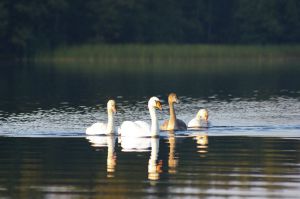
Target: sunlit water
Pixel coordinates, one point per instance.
(278, 116)
(251, 149)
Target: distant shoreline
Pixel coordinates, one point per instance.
(169, 54)
(163, 54)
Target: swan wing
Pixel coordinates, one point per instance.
(181, 125)
(127, 128)
(204, 124)
(143, 125)
(134, 129)
(96, 129)
(194, 123)
(144, 129)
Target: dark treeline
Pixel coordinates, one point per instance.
(27, 26)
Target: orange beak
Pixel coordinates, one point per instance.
(158, 105)
(206, 117)
(114, 109)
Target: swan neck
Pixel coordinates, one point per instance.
(110, 122)
(172, 113)
(154, 122)
(110, 145)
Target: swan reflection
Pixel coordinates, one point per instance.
(109, 142)
(202, 143)
(135, 144)
(154, 167)
(144, 144)
(172, 159)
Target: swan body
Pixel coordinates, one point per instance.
(135, 129)
(141, 128)
(100, 128)
(169, 126)
(173, 123)
(200, 121)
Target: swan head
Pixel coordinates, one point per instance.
(173, 98)
(111, 106)
(202, 114)
(154, 102)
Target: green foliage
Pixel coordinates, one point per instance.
(104, 55)
(27, 27)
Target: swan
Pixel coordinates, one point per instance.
(100, 128)
(173, 123)
(141, 128)
(200, 121)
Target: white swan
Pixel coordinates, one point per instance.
(100, 128)
(200, 121)
(141, 128)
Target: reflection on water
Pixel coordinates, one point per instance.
(202, 142)
(154, 167)
(81, 168)
(172, 160)
(111, 156)
(135, 144)
(109, 142)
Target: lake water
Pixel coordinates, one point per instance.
(252, 149)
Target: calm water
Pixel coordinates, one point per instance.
(251, 150)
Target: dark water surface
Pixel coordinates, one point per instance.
(251, 151)
(174, 167)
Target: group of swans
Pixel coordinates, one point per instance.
(143, 129)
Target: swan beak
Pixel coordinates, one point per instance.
(206, 118)
(158, 105)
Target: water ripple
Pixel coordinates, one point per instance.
(275, 117)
